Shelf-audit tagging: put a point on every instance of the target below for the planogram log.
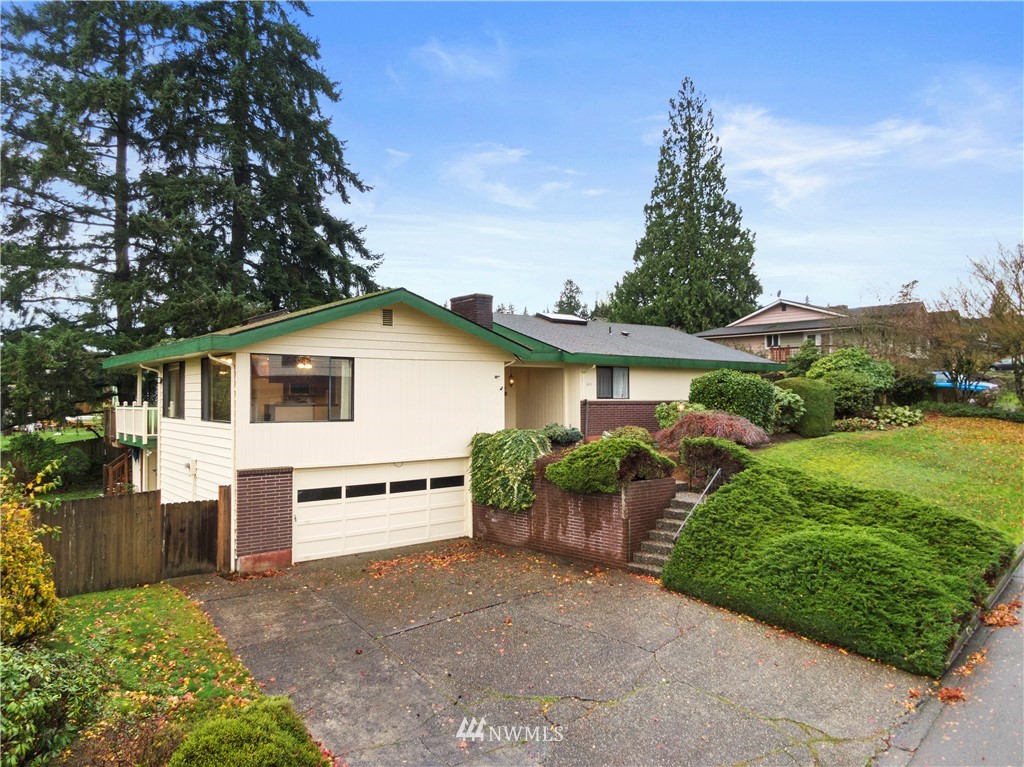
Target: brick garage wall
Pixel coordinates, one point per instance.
(264, 508)
(598, 416)
(607, 529)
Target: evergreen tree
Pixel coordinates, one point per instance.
(694, 262)
(571, 300)
(76, 99)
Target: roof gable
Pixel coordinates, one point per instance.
(274, 326)
(782, 303)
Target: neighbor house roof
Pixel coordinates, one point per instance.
(826, 311)
(275, 325)
(613, 343)
(832, 318)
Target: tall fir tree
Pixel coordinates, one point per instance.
(76, 99)
(694, 263)
(570, 301)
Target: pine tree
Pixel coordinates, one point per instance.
(694, 262)
(571, 300)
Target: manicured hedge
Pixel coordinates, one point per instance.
(880, 573)
(955, 410)
(819, 402)
(606, 465)
(745, 394)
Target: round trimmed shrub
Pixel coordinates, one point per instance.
(607, 465)
(854, 394)
(789, 408)
(266, 733)
(562, 435)
(819, 404)
(744, 394)
(880, 374)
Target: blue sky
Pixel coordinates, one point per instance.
(513, 145)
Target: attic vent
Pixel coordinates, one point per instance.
(387, 317)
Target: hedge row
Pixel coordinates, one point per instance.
(880, 573)
(819, 404)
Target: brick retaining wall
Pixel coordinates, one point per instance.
(607, 529)
(600, 415)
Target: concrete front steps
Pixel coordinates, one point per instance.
(655, 550)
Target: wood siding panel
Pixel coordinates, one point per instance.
(662, 384)
(792, 314)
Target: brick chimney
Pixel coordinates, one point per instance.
(477, 307)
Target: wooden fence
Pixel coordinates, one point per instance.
(119, 541)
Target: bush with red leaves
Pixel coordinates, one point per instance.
(712, 423)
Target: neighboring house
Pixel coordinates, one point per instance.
(346, 428)
(777, 330)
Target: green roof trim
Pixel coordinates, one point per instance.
(245, 335)
(668, 362)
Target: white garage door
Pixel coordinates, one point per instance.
(346, 510)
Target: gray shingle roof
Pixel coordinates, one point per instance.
(598, 337)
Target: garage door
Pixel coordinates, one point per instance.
(366, 508)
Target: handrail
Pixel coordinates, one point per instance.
(700, 500)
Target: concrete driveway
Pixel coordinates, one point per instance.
(390, 657)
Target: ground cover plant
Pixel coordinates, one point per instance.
(878, 572)
(970, 466)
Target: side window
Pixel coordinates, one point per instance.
(174, 390)
(216, 379)
(771, 341)
(612, 383)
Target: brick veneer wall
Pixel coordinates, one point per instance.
(598, 416)
(607, 529)
(264, 508)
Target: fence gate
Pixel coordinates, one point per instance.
(189, 538)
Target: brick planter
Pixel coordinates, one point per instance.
(607, 529)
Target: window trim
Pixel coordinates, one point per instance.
(179, 409)
(206, 366)
(611, 369)
(768, 341)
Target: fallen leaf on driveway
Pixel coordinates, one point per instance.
(952, 695)
(1002, 616)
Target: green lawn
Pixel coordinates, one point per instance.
(166, 670)
(71, 434)
(972, 466)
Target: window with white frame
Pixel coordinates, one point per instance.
(216, 391)
(771, 341)
(612, 383)
(301, 387)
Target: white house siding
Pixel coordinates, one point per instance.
(421, 390)
(183, 439)
(663, 384)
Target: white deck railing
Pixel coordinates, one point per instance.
(136, 424)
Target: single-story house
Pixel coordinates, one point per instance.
(345, 428)
(777, 330)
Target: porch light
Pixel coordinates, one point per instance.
(512, 380)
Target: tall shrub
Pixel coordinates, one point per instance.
(744, 394)
(501, 466)
(880, 374)
(28, 600)
(819, 406)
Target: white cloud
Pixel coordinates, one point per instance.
(505, 176)
(594, 192)
(396, 158)
(464, 62)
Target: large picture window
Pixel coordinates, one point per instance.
(216, 391)
(174, 390)
(300, 387)
(612, 383)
